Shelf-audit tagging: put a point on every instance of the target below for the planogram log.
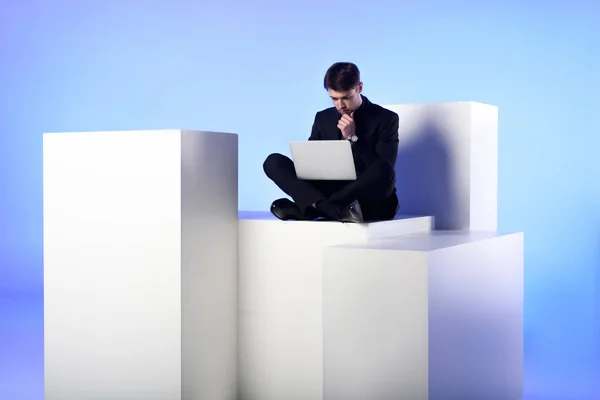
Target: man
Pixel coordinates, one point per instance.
(373, 132)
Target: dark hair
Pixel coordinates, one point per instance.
(342, 76)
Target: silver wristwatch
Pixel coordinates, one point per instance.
(353, 138)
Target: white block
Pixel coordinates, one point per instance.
(140, 265)
(427, 316)
(280, 269)
(448, 163)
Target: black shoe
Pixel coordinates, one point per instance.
(285, 209)
(352, 213)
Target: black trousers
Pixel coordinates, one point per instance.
(374, 188)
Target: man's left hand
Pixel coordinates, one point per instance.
(346, 125)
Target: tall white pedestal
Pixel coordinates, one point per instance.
(281, 319)
(140, 265)
(448, 163)
(434, 316)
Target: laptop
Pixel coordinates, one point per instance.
(329, 160)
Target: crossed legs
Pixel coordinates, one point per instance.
(374, 190)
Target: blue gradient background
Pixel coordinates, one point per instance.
(256, 69)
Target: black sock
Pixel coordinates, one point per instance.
(327, 209)
(311, 213)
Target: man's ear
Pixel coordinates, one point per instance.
(360, 87)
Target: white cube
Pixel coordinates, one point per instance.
(281, 320)
(437, 316)
(447, 163)
(140, 265)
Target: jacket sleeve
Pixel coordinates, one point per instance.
(315, 134)
(386, 146)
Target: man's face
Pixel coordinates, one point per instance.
(348, 101)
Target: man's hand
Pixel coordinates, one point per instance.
(346, 125)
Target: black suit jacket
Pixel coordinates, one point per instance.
(376, 129)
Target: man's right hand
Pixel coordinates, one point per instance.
(346, 125)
